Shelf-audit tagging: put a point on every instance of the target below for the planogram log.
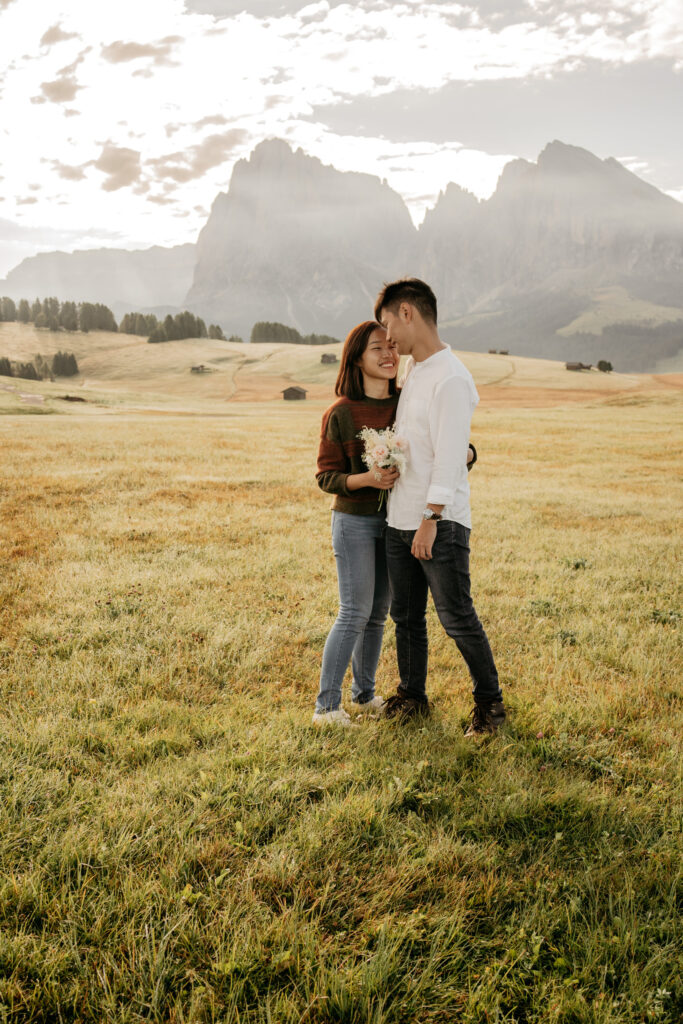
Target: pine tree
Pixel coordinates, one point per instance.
(5, 367)
(158, 334)
(8, 311)
(43, 368)
(170, 328)
(68, 316)
(64, 364)
(24, 312)
(86, 317)
(26, 371)
(35, 309)
(104, 318)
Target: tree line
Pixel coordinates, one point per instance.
(265, 331)
(53, 315)
(62, 364)
(182, 325)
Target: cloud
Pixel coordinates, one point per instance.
(216, 119)
(121, 166)
(69, 69)
(584, 107)
(65, 86)
(69, 172)
(62, 90)
(196, 160)
(5, 3)
(257, 8)
(278, 76)
(55, 34)
(26, 201)
(212, 119)
(160, 53)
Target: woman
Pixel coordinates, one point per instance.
(366, 386)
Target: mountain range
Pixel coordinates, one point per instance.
(572, 257)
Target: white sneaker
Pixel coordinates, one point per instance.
(336, 717)
(376, 704)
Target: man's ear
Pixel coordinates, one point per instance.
(405, 311)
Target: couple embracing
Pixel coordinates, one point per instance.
(389, 558)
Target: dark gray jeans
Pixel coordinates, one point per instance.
(447, 576)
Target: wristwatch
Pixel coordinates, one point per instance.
(430, 514)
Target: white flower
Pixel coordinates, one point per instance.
(383, 448)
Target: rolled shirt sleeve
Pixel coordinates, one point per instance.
(450, 416)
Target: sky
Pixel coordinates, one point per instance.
(121, 122)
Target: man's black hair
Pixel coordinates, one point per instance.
(411, 290)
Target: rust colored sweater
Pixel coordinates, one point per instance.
(341, 450)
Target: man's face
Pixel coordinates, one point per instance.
(397, 329)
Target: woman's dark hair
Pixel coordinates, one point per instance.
(350, 377)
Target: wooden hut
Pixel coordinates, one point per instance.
(294, 394)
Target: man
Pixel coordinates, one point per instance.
(428, 513)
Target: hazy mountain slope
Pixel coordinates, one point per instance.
(122, 279)
(529, 269)
(299, 242)
(543, 248)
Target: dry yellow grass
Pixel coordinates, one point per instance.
(178, 843)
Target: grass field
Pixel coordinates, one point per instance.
(177, 843)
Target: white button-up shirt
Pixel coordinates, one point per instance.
(434, 414)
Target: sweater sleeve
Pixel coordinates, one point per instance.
(333, 467)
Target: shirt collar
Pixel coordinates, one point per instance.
(430, 360)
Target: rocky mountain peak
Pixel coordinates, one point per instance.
(559, 158)
(298, 241)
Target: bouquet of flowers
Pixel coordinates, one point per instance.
(384, 449)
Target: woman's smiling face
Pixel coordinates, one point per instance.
(380, 358)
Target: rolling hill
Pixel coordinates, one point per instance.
(125, 372)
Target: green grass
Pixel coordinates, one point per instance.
(177, 843)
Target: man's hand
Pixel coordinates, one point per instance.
(423, 541)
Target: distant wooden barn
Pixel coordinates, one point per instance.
(328, 357)
(294, 394)
(578, 366)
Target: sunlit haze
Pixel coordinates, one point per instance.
(121, 122)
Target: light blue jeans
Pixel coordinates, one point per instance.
(356, 636)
